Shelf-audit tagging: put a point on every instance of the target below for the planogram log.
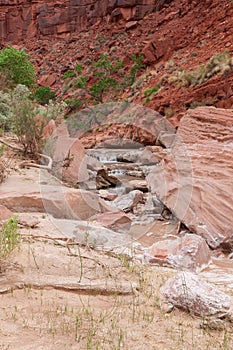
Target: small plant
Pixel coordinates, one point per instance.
(152, 91)
(78, 68)
(74, 104)
(69, 74)
(9, 237)
(169, 112)
(43, 95)
(136, 67)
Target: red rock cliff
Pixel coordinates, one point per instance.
(26, 19)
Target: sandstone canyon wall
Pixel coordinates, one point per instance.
(26, 19)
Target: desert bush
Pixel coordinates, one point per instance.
(44, 94)
(16, 67)
(220, 63)
(5, 110)
(23, 120)
(9, 237)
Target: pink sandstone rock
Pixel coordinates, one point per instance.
(189, 292)
(189, 252)
(195, 180)
(5, 213)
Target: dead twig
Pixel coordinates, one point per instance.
(30, 164)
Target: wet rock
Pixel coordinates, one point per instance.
(130, 157)
(153, 205)
(195, 179)
(189, 292)
(5, 213)
(103, 179)
(140, 185)
(189, 252)
(127, 202)
(115, 221)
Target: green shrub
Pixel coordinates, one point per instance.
(44, 94)
(78, 68)
(15, 65)
(5, 111)
(69, 74)
(74, 104)
(9, 237)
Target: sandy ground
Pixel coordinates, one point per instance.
(77, 298)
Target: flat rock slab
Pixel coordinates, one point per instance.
(38, 191)
(195, 180)
(95, 236)
(189, 292)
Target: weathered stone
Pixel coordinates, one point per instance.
(105, 194)
(127, 202)
(155, 231)
(115, 221)
(152, 155)
(47, 80)
(103, 179)
(140, 185)
(38, 191)
(195, 180)
(189, 252)
(69, 159)
(5, 213)
(131, 24)
(189, 292)
(28, 220)
(90, 234)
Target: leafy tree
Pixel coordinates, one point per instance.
(16, 67)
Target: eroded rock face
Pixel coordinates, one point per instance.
(23, 19)
(189, 292)
(189, 252)
(195, 180)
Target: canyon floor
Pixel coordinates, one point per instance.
(55, 293)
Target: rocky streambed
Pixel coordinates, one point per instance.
(168, 205)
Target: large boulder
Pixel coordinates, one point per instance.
(189, 252)
(189, 292)
(195, 179)
(69, 160)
